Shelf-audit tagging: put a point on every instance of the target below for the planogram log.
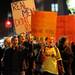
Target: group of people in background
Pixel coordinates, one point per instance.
(25, 54)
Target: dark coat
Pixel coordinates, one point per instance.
(13, 61)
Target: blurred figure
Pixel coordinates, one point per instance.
(1, 59)
(36, 51)
(13, 58)
(46, 41)
(51, 56)
(7, 44)
(26, 42)
(24, 45)
(73, 64)
(67, 54)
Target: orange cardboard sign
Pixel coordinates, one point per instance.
(44, 23)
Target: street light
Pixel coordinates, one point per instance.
(8, 24)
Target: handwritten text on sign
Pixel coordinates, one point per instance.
(22, 15)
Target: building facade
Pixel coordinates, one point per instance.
(59, 6)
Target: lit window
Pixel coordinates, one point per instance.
(54, 7)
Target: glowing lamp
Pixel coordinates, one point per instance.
(8, 24)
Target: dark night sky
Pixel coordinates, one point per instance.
(5, 6)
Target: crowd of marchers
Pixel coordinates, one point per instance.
(25, 54)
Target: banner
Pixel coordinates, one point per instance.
(44, 23)
(66, 27)
(21, 11)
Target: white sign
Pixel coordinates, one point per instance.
(71, 6)
(21, 11)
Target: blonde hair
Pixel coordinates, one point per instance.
(7, 41)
